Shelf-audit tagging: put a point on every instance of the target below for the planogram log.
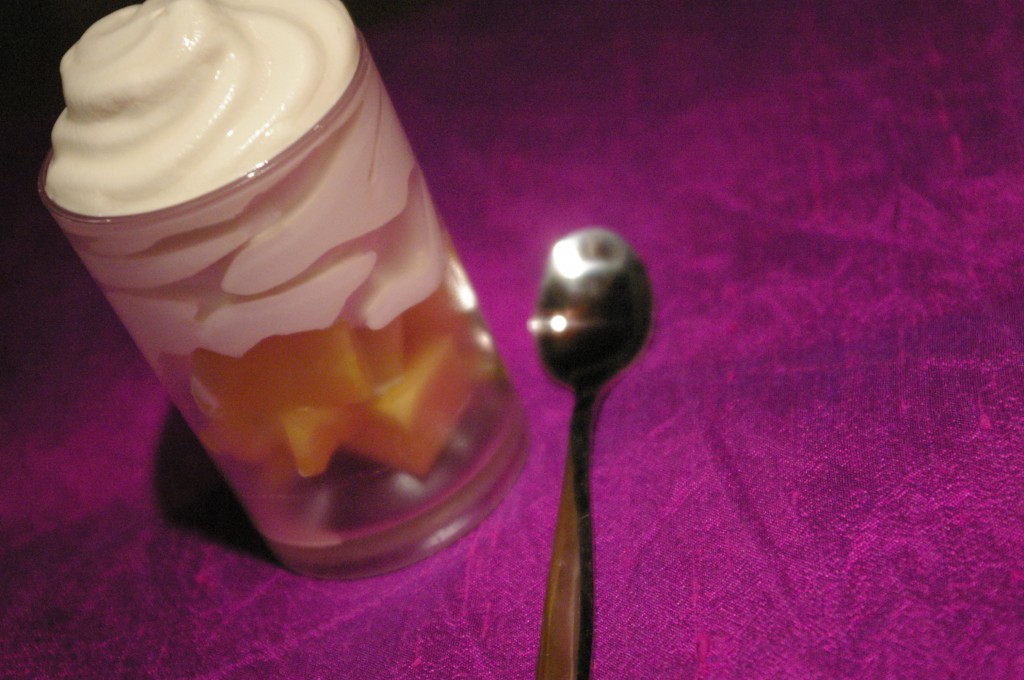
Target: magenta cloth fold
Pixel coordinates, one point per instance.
(815, 471)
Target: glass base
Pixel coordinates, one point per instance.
(381, 547)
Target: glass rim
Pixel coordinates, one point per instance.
(297, 147)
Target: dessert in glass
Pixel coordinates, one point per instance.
(236, 181)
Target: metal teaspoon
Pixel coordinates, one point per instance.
(592, 319)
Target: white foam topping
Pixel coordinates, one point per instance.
(172, 98)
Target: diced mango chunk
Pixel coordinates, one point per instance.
(402, 401)
(313, 434)
(413, 419)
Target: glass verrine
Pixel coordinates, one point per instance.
(313, 324)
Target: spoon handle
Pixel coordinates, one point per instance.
(567, 629)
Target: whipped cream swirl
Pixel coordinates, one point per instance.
(171, 99)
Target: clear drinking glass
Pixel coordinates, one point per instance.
(312, 323)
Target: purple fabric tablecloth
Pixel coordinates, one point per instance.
(814, 471)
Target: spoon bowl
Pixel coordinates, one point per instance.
(593, 317)
(594, 311)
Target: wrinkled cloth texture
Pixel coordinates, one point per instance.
(815, 469)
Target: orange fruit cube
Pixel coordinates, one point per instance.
(408, 425)
(313, 434)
